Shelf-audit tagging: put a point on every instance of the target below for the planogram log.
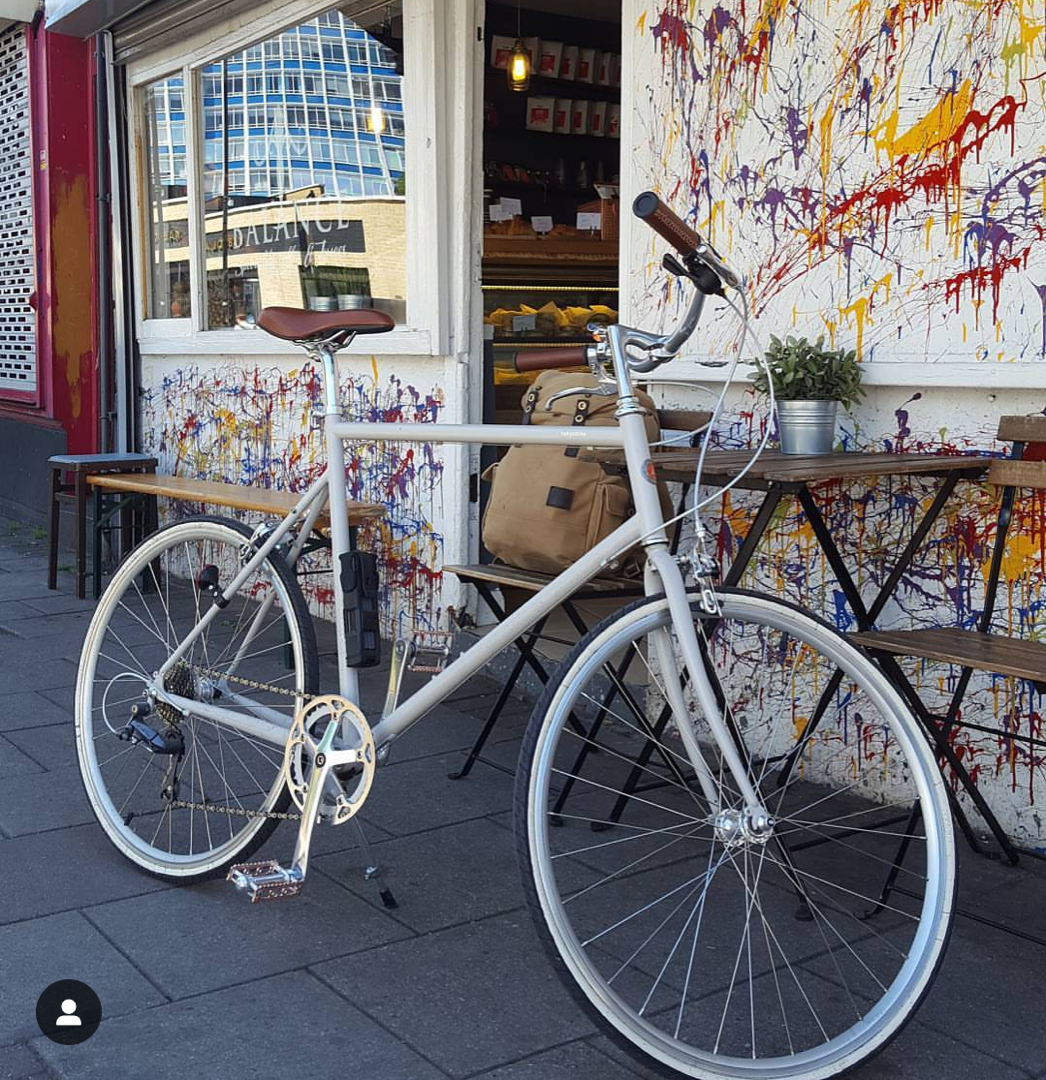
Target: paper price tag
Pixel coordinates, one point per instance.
(523, 322)
(512, 208)
(541, 224)
(496, 213)
(589, 221)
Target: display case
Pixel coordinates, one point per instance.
(540, 294)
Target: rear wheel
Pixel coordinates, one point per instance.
(211, 794)
(704, 942)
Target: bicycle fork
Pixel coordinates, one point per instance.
(754, 820)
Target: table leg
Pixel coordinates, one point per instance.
(835, 559)
(52, 540)
(754, 535)
(96, 551)
(80, 482)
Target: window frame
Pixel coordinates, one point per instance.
(428, 288)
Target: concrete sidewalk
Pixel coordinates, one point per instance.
(196, 983)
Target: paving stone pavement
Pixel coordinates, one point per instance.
(197, 984)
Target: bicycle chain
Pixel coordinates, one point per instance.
(252, 683)
(233, 811)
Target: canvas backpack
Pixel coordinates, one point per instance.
(547, 505)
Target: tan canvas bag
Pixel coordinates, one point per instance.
(547, 506)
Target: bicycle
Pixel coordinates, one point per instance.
(705, 885)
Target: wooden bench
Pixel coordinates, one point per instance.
(149, 487)
(978, 649)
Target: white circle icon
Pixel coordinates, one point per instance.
(69, 1019)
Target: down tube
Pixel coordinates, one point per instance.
(469, 662)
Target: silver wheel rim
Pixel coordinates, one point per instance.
(892, 1010)
(132, 845)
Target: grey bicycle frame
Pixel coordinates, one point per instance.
(646, 526)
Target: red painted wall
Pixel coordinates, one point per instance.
(61, 75)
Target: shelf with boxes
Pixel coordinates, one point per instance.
(578, 64)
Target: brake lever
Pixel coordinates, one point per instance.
(702, 276)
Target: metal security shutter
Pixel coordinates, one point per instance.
(17, 318)
(167, 21)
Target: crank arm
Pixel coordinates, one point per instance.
(402, 652)
(324, 760)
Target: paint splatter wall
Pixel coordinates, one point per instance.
(878, 169)
(246, 424)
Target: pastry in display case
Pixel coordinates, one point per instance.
(534, 314)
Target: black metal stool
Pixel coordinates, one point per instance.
(79, 467)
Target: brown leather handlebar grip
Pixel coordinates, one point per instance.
(664, 221)
(543, 359)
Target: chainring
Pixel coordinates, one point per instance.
(299, 756)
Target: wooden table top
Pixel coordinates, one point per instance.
(216, 493)
(774, 467)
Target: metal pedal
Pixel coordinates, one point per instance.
(431, 651)
(266, 880)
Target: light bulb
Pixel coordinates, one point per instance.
(519, 67)
(377, 119)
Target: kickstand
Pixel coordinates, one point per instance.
(372, 870)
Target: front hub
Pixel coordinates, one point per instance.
(736, 828)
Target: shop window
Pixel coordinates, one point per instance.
(288, 216)
(166, 232)
(239, 288)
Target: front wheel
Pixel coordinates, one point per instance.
(709, 944)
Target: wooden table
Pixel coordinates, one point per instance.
(778, 475)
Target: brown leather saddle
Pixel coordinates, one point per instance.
(293, 324)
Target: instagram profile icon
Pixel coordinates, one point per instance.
(68, 1012)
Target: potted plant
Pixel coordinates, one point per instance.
(810, 383)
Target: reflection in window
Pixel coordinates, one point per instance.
(166, 205)
(305, 205)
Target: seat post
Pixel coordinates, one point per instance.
(337, 504)
(323, 354)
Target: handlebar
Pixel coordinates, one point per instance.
(702, 261)
(666, 223)
(687, 241)
(544, 359)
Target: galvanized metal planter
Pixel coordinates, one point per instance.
(807, 427)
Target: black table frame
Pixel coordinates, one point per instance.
(865, 616)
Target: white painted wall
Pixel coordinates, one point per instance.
(807, 143)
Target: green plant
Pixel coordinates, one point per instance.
(806, 371)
